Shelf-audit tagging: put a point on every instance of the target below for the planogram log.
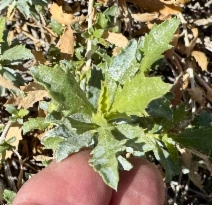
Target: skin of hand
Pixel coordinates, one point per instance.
(73, 182)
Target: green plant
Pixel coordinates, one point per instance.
(116, 106)
(113, 126)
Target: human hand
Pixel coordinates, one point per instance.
(74, 182)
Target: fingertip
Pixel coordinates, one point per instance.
(141, 185)
(71, 181)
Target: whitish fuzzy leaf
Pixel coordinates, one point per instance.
(4, 4)
(64, 141)
(126, 165)
(35, 123)
(17, 53)
(137, 93)
(122, 63)
(63, 88)
(24, 7)
(157, 42)
(104, 159)
(9, 196)
(199, 139)
(2, 26)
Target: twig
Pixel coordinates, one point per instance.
(190, 71)
(7, 127)
(185, 32)
(20, 176)
(178, 187)
(89, 43)
(4, 133)
(9, 176)
(208, 3)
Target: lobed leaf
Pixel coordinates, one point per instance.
(34, 123)
(64, 141)
(104, 159)
(199, 139)
(137, 94)
(121, 67)
(63, 88)
(157, 42)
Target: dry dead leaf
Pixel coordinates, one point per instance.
(175, 2)
(14, 131)
(42, 158)
(157, 6)
(116, 51)
(14, 101)
(186, 81)
(39, 57)
(60, 16)
(144, 17)
(67, 43)
(33, 97)
(104, 2)
(192, 166)
(7, 83)
(209, 95)
(196, 94)
(177, 91)
(201, 59)
(117, 39)
(193, 41)
(35, 93)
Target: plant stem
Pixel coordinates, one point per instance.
(89, 43)
(4, 133)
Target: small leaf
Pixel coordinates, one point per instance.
(56, 27)
(122, 63)
(63, 88)
(102, 20)
(170, 165)
(157, 42)
(65, 141)
(104, 159)
(11, 109)
(2, 25)
(9, 196)
(17, 53)
(24, 7)
(34, 123)
(138, 93)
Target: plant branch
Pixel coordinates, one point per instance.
(20, 176)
